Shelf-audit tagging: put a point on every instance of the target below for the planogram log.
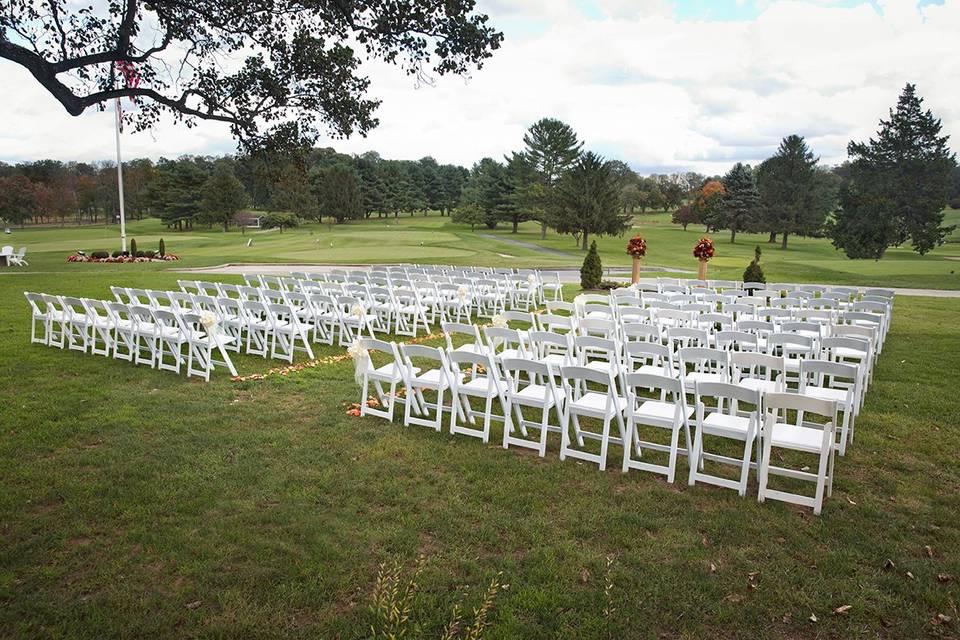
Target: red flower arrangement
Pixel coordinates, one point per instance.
(703, 250)
(637, 247)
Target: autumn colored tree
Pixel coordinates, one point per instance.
(709, 204)
(684, 215)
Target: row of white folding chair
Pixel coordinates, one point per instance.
(136, 333)
(267, 323)
(688, 357)
(513, 383)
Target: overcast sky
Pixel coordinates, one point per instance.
(664, 85)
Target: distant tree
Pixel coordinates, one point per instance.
(794, 197)
(279, 220)
(488, 189)
(741, 199)
(176, 192)
(551, 147)
(453, 179)
(18, 199)
(523, 192)
(708, 205)
(899, 185)
(223, 196)
(587, 199)
(671, 190)
(469, 213)
(291, 192)
(337, 190)
(684, 215)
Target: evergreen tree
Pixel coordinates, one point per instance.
(794, 197)
(591, 272)
(551, 147)
(898, 186)
(754, 272)
(223, 196)
(337, 190)
(586, 201)
(740, 200)
(176, 192)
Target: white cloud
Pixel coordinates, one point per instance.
(634, 81)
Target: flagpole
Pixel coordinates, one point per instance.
(123, 222)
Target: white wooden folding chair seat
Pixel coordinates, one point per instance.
(552, 286)
(699, 365)
(804, 436)
(356, 320)
(528, 383)
(651, 358)
(171, 336)
(794, 348)
(101, 326)
(471, 332)
(836, 382)
(39, 315)
(483, 383)
(667, 410)
(504, 343)
(725, 418)
(287, 332)
(391, 375)
(124, 328)
(758, 372)
(549, 348)
(582, 402)
(76, 322)
(438, 379)
(145, 334)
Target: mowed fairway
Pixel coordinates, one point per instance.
(435, 239)
(138, 504)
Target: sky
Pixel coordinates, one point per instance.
(663, 85)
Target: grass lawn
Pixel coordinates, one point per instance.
(436, 239)
(138, 504)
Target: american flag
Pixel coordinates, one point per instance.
(132, 79)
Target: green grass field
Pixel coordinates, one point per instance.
(139, 504)
(434, 239)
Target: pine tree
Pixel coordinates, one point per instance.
(591, 273)
(795, 196)
(223, 196)
(586, 200)
(740, 200)
(552, 148)
(898, 186)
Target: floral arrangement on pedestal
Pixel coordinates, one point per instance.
(703, 251)
(637, 249)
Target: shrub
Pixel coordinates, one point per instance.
(98, 255)
(592, 270)
(117, 254)
(138, 254)
(754, 272)
(955, 202)
(133, 247)
(163, 248)
(149, 253)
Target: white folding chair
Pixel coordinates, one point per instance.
(480, 381)
(720, 414)
(799, 435)
(39, 314)
(201, 343)
(124, 330)
(145, 335)
(580, 401)
(438, 378)
(828, 380)
(170, 340)
(528, 383)
(666, 410)
(391, 375)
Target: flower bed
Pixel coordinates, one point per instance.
(110, 259)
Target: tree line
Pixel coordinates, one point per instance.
(892, 189)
